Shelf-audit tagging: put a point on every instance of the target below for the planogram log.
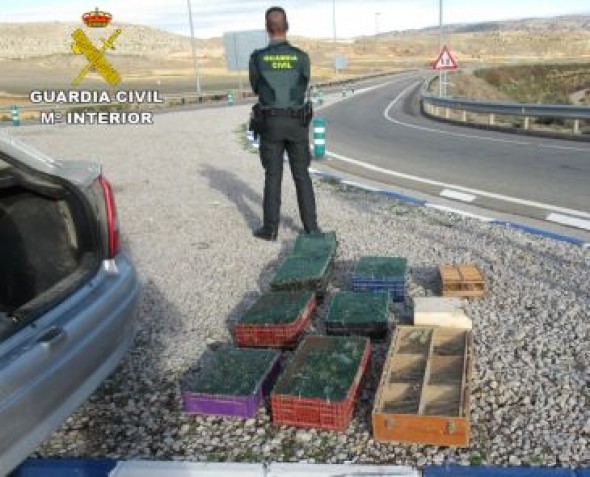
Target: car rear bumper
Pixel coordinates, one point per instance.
(71, 351)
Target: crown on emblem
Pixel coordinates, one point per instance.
(97, 18)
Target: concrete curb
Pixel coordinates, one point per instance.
(485, 471)
(65, 468)
(424, 203)
(113, 468)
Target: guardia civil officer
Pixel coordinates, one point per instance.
(279, 75)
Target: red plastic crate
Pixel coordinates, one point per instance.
(320, 413)
(275, 336)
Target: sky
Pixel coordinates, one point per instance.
(312, 18)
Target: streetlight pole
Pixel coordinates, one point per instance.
(377, 24)
(334, 29)
(441, 74)
(190, 19)
(376, 32)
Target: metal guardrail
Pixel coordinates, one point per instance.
(510, 109)
(526, 111)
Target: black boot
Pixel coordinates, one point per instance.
(265, 233)
(315, 230)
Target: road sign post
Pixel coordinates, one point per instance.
(444, 62)
(238, 46)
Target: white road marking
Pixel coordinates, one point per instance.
(464, 213)
(471, 136)
(462, 196)
(398, 79)
(429, 204)
(568, 220)
(359, 185)
(538, 205)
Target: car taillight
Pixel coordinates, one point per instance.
(111, 216)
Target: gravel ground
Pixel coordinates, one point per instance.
(187, 202)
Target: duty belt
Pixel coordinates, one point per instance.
(290, 113)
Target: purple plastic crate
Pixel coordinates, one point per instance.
(244, 407)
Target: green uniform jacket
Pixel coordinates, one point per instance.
(279, 75)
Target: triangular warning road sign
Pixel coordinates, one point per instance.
(445, 61)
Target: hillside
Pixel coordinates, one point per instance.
(569, 23)
(28, 40)
(148, 57)
(528, 37)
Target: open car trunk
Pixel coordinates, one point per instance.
(46, 246)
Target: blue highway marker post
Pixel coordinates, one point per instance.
(319, 138)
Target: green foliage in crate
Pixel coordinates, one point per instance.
(381, 267)
(301, 270)
(234, 371)
(277, 307)
(323, 369)
(315, 244)
(353, 307)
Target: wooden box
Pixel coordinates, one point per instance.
(423, 396)
(462, 281)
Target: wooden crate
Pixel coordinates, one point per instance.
(462, 281)
(424, 393)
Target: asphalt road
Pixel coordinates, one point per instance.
(529, 176)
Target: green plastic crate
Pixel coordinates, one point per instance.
(300, 272)
(364, 313)
(315, 244)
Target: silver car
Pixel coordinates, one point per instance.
(67, 294)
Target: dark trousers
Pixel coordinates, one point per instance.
(280, 134)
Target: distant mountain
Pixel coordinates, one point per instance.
(27, 40)
(569, 23)
(559, 37)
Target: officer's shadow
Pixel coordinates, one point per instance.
(235, 189)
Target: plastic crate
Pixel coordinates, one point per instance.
(364, 314)
(397, 292)
(223, 401)
(388, 274)
(315, 244)
(277, 320)
(381, 268)
(306, 409)
(303, 273)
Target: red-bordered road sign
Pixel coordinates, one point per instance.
(445, 60)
